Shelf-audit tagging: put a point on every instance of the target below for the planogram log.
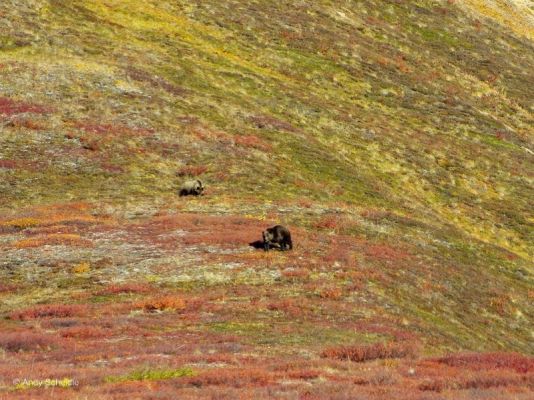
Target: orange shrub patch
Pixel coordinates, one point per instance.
(305, 203)
(288, 306)
(371, 352)
(234, 377)
(57, 239)
(85, 332)
(57, 217)
(48, 230)
(50, 311)
(305, 374)
(327, 222)
(484, 361)
(486, 380)
(332, 293)
(253, 142)
(162, 303)
(27, 123)
(296, 273)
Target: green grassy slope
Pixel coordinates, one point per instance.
(411, 119)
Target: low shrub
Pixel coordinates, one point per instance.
(12, 107)
(485, 380)
(234, 377)
(27, 123)
(252, 141)
(288, 306)
(26, 341)
(331, 293)
(57, 239)
(49, 311)
(7, 288)
(85, 332)
(327, 222)
(21, 223)
(484, 361)
(162, 303)
(8, 164)
(192, 170)
(295, 273)
(125, 288)
(370, 352)
(305, 374)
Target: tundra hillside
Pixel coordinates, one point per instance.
(393, 138)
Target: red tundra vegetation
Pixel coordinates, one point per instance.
(162, 303)
(111, 129)
(292, 307)
(237, 337)
(24, 340)
(8, 164)
(371, 352)
(328, 222)
(235, 377)
(488, 379)
(55, 239)
(9, 107)
(483, 361)
(385, 252)
(252, 141)
(6, 287)
(131, 287)
(49, 311)
(85, 332)
(192, 170)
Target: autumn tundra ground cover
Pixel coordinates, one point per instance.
(394, 139)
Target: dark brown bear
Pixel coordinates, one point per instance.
(194, 188)
(277, 235)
